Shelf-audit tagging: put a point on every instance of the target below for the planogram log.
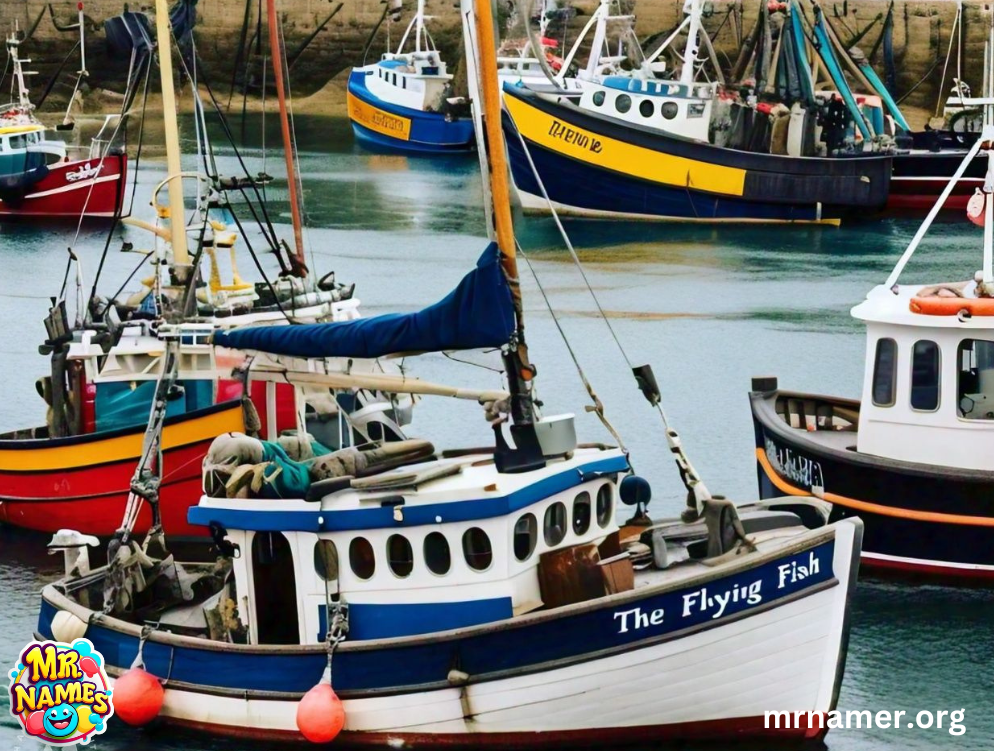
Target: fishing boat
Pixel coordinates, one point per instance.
(487, 597)
(405, 102)
(636, 146)
(42, 177)
(911, 456)
(76, 469)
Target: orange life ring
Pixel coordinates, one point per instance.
(951, 306)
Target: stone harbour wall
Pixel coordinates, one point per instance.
(922, 31)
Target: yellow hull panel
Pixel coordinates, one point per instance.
(609, 153)
(377, 120)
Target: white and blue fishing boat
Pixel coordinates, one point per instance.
(405, 102)
(399, 595)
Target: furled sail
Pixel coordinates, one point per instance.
(478, 313)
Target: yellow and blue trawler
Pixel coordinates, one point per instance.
(644, 145)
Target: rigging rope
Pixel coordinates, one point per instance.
(696, 489)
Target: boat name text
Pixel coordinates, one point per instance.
(83, 173)
(575, 137)
(798, 469)
(711, 604)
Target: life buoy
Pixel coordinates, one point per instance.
(951, 306)
(556, 63)
(976, 208)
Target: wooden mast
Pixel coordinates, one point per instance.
(520, 372)
(177, 226)
(276, 51)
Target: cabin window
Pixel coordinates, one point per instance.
(18, 142)
(477, 549)
(925, 376)
(669, 110)
(975, 390)
(581, 514)
(695, 109)
(525, 536)
(400, 556)
(554, 528)
(438, 558)
(884, 373)
(605, 504)
(598, 98)
(361, 558)
(326, 560)
(646, 108)
(623, 103)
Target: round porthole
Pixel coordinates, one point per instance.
(400, 556)
(598, 98)
(670, 110)
(646, 108)
(477, 549)
(554, 527)
(361, 558)
(623, 103)
(525, 536)
(605, 504)
(581, 514)
(438, 559)
(326, 560)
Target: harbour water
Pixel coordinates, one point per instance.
(708, 308)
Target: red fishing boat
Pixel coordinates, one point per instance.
(44, 177)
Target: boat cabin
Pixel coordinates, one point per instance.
(24, 148)
(928, 386)
(670, 107)
(436, 544)
(416, 80)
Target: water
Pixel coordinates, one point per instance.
(708, 308)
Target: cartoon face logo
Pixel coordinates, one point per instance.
(61, 721)
(60, 693)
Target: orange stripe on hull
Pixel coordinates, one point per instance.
(122, 447)
(873, 508)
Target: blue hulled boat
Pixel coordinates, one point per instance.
(405, 101)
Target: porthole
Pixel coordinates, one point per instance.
(670, 110)
(581, 514)
(477, 549)
(525, 536)
(361, 558)
(646, 108)
(554, 528)
(326, 560)
(623, 103)
(400, 556)
(598, 98)
(605, 504)
(438, 558)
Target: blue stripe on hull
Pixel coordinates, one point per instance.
(584, 186)
(430, 132)
(574, 636)
(383, 621)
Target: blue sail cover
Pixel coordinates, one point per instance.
(476, 314)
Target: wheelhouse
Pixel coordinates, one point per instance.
(928, 390)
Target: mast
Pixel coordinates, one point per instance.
(419, 27)
(177, 227)
(693, 9)
(288, 151)
(22, 89)
(520, 372)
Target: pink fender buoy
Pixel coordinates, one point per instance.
(976, 208)
(320, 714)
(137, 697)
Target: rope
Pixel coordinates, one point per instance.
(691, 479)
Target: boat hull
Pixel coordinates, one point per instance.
(83, 482)
(70, 189)
(590, 166)
(920, 177)
(578, 675)
(921, 521)
(380, 125)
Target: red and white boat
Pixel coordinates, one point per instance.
(42, 177)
